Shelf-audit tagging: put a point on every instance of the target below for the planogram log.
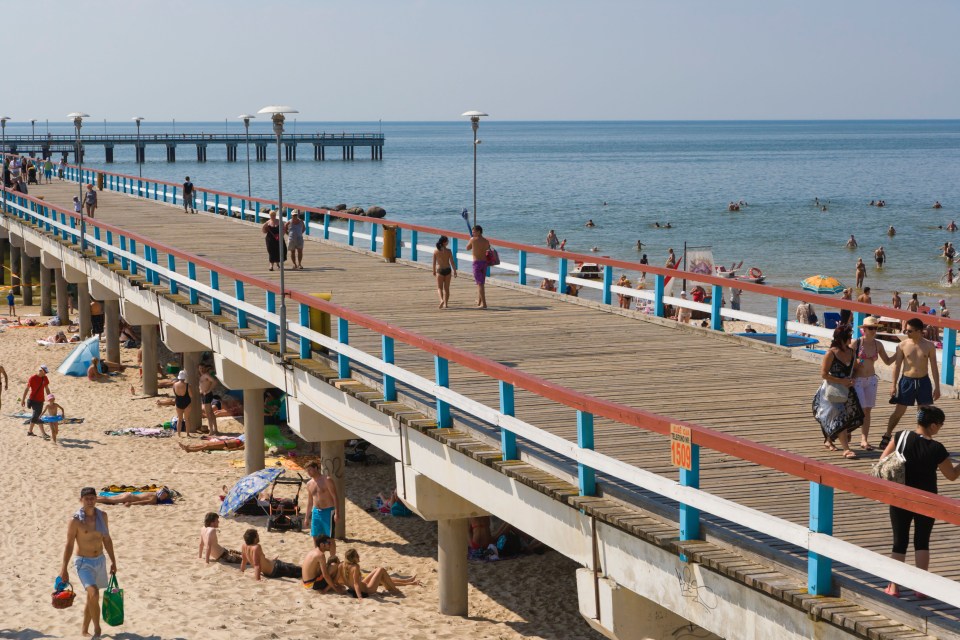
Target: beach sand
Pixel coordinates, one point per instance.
(169, 592)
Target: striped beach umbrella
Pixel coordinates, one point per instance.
(822, 284)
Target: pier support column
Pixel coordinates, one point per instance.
(253, 453)
(46, 306)
(4, 261)
(26, 278)
(332, 463)
(191, 364)
(111, 309)
(63, 302)
(83, 307)
(15, 252)
(108, 152)
(453, 536)
(149, 349)
(171, 153)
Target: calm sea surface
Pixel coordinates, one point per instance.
(537, 176)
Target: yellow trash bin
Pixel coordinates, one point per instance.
(320, 321)
(99, 181)
(390, 242)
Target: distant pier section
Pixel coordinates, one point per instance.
(47, 145)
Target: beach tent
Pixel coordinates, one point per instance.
(79, 361)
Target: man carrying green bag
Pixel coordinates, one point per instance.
(113, 603)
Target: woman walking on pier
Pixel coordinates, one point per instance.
(444, 269)
(273, 231)
(836, 405)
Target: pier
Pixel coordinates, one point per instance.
(47, 145)
(552, 412)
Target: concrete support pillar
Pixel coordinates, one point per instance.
(4, 261)
(149, 335)
(15, 268)
(191, 364)
(83, 308)
(453, 537)
(63, 304)
(26, 279)
(253, 453)
(332, 463)
(111, 309)
(46, 302)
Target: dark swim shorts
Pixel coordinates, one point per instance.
(912, 391)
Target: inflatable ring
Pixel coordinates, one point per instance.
(755, 273)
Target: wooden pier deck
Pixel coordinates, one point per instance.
(755, 393)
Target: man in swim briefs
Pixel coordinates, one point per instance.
(321, 501)
(915, 359)
(317, 570)
(89, 533)
(479, 246)
(210, 543)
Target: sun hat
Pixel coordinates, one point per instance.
(870, 321)
(45, 369)
(182, 375)
(50, 396)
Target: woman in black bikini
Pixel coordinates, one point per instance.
(443, 267)
(181, 400)
(272, 229)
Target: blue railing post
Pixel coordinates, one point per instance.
(172, 266)
(522, 267)
(155, 259)
(690, 516)
(123, 247)
(453, 250)
(659, 287)
(607, 283)
(716, 307)
(215, 285)
(110, 243)
(350, 227)
(442, 368)
(243, 209)
(326, 226)
(229, 206)
(173, 198)
(858, 318)
(164, 192)
(192, 274)
(147, 271)
(783, 314)
(238, 294)
(139, 188)
(156, 191)
(948, 366)
(562, 276)
(413, 245)
(585, 475)
(819, 568)
(216, 204)
(373, 237)
(508, 439)
(133, 251)
(272, 328)
(96, 236)
(256, 213)
(205, 201)
(304, 322)
(389, 383)
(399, 244)
(343, 337)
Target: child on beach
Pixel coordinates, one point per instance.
(11, 304)
(53, 414)
(77, 205)
(209, 541)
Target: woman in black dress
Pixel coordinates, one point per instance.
(924, 456)
(838, 417)
(273, 231)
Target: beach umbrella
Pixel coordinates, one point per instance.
(247, 487)
(79, 360)
(822, 284)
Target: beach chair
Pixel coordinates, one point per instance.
(831, 319)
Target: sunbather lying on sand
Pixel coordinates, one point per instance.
(214, 443)
(163, 496)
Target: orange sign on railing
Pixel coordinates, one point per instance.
(681, 447)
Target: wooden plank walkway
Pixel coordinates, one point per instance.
(751, 393)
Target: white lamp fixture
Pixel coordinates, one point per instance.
(475, 120)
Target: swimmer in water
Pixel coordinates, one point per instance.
(937, 205)
(590, 223)
(595, 249)
(656, 224)
(669, 226)
(952, 226)
(852, 242)
(891, 231)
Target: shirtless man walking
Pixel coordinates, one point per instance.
(89, 532)
(207, 384)
(914, 358)
(479, 246)
(321, 501)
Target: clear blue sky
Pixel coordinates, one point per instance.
(515, 59)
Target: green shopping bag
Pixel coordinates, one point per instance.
(112, 611)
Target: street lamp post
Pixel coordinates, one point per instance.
(3, 127)
(77, 118)
(475, 120)
(138, 120)
(276, 112)
(246, 117)
(33, 130)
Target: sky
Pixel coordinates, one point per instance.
(428, 60)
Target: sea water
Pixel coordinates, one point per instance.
(627, 176)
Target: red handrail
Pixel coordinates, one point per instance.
(929, 504)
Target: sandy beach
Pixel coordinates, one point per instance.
(169, 592)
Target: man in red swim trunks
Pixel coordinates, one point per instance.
(38, 386)
(479, 246)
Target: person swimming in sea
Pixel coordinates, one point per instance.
(952, 226)
(590, 223)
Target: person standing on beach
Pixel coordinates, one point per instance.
(443, 269)
(479, 246)
(895, 301)
(294, 230)
(38, 386)
(861, 273)
(182, 396)
(207, 384)
(735, 298)
(916, 360)
(321, 502)
(89, 533)
(189, 195)
(90, 200)
(671, 259)
(96, 318)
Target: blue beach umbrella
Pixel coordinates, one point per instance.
(822, 284)
(247, 487)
